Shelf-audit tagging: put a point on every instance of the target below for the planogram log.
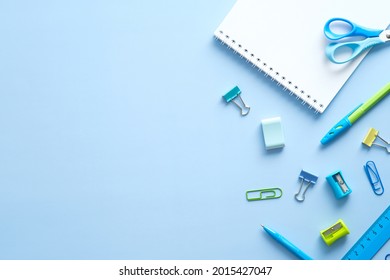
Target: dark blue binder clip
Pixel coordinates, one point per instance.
(374, 178)
(310, 179)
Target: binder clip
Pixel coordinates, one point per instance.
(232, 95)
(338, 184)
(310, 179)
(335, 232)
(264, 194)
(371, 136)
(374, 178)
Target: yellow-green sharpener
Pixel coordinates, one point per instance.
(334, 232)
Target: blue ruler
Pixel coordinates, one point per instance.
(372, 240)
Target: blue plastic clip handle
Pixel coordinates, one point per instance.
(374, 178)
(310, 179)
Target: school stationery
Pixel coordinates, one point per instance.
(372, 240)
(338, 184)
(374, 178)
(273, 133)
(357, 113)
(264, 194)
(372, 37)
(310, 179)
(287, 244)
(371, 136)
(232, 95)
(285, 40)
(334, 232)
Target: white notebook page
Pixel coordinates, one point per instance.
(285, 39)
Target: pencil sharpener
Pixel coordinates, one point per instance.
(338, 184)
(335, 232)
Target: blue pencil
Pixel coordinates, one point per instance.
(287, 244)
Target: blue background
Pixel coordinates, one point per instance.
(116, 143)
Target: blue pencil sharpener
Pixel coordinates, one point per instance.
(338, 184)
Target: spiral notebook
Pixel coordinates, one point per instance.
(285, 40)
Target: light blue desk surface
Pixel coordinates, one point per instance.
(116, 142)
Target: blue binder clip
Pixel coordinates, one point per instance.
(232, 95)
(310, 179)
(338, 184)
(374, 178)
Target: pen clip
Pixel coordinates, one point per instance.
(339, 128)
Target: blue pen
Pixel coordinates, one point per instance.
(287, 244)
(352, 117)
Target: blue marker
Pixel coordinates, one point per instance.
(287, 244)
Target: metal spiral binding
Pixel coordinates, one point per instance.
(266, 74)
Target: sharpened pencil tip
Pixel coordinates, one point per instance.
(262, 226)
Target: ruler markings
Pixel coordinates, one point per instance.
(372, 240)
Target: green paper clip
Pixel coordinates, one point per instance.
(264, 194)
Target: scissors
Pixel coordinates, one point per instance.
(372, 37)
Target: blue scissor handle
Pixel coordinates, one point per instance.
(355, 30)
(357, 47)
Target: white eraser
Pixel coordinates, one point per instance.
(273, 133)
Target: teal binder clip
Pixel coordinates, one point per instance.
(232, 95)
(338, 184)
